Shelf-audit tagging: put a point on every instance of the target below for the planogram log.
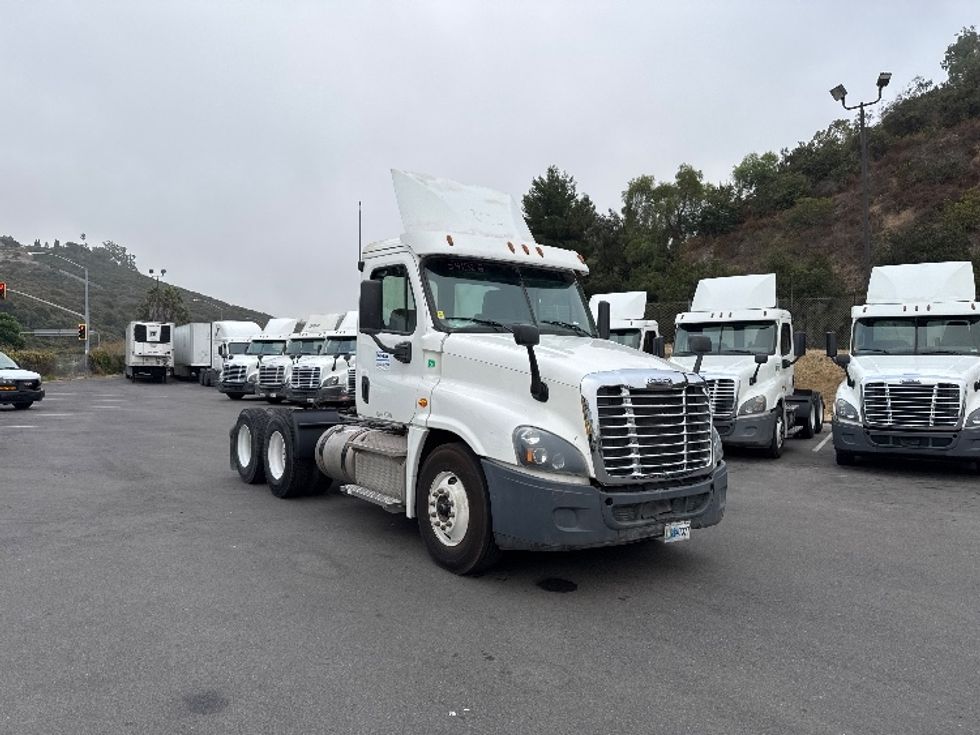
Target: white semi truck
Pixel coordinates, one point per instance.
(228, 338)
(628, 324)
(240, 374)
(749, 370)
(912, 378)
(149, 350)
(327, 378)
(486, 405)
(274, 372)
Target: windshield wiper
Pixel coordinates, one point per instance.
(485, 322)
(943, 352)
(871, 351)
(736, 352)
(568, 325)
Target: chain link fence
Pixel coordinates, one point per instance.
(813, 315)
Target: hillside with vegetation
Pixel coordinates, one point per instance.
(118, 292)
(797, 212)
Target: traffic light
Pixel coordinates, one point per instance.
(3, 291)
(82, 329)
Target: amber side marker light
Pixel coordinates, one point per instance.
(449, 239)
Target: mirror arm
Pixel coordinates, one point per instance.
(539, 390)
(755, 375)
(697, 363)
(401, 351)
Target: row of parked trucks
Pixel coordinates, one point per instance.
(496, 407)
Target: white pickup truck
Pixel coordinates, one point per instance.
(19, 388)
(754, 398)
(912, 378)
(487, 406)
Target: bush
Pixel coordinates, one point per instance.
(44, 362)
(109, 359)
(810, 212)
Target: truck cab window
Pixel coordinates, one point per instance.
(785, 340)
(398, 313)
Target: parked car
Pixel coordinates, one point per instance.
(18, 387)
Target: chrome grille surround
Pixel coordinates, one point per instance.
(647, 426)
(305, 377)
(351, 381)
(904, 404)
(271, 376)
(234, 374)
(722, 392)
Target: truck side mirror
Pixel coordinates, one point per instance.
(369, 307)
(221, 350)
(799, 344)
(831, 344)
(761, 359)
(603, 320)
(526, 335)
(700, 346)
(660, 347)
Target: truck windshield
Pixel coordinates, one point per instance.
(237, 348)
(266, 348)
(304, 346)
(6, 363)
(470, 295)
(730, 338)
(341, 346)
(628, 337)
(931, 335)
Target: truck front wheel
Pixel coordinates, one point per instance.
(775, 448)
(454, 511)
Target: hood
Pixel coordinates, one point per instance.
(18, 374)
(276, 360)
(561, 359)
(246, 360)
(325, 361)
(721, 365)
(955, 368)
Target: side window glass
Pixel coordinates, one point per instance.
(398, 301)
(786, 341)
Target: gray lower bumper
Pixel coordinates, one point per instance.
(962, 444)
(332, 395)
(549, 515)
(21, 395)
(747, 431)
(244, 388)
(271, 391)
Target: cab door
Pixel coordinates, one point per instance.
(387, 388)
(784, 371)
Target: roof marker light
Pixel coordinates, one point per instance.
(511, 246)
(540, 251)
(580, 258)
(527, 250)
(449, 239)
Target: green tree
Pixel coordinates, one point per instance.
(163, 303)
(116, 254)
(961, 61)
(10, 330)
(556, 214)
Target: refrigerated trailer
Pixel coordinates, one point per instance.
(149, 350)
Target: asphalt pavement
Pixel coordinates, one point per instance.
(145, 589)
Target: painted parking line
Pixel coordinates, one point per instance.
(96, 405)
(20, 426)
(823, 443)
(53, 415)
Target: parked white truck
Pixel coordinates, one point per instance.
(486, 405)
(192, 349)
(749, 370)
(240, 374)
(628, 324)
(912, 378)
(327, 378)
(275, 372)
(149, 350)
(228, 338)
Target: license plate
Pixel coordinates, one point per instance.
(679, 531)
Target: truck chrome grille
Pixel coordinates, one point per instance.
(272, 375)
(235, 374)
(654, 433)
(912, 406)
(305, 377)
(351, 381)
(721, 392)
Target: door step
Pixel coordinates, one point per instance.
(373, 496)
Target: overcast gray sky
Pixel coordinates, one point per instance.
(229, 142)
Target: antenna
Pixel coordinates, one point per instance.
(360, 261)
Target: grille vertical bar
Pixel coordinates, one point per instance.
(721, 391)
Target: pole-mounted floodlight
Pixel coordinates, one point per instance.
(838, 93)
(884, 78)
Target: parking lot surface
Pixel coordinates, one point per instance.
(145, 589)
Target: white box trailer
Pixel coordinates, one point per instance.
(192, 349)
(149, 350)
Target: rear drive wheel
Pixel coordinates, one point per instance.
(23, 405)
(247, 437)
(808, 429)
(818, 426)
(845, 459)
(453, 509)
(286, 475)
(775, 448)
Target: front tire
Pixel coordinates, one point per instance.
(247, 440)
(845, 459)
(23, 405)
(235, 396)
(286, 475)
(453, 509)
(775, 448)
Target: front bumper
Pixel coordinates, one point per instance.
(531, 512)
(20, 394)
(272, 391)
(331, 395)
(962, 444)
(243, 388)
(747, 431)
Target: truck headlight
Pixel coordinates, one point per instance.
(717, 449)
(542, 450)
(973, 419)
(331, 380)
(845, 411)
(753, 405)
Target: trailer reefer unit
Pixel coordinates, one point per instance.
(149, 350)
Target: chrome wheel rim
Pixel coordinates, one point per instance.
(779, 431)
(244, 446)
(276, 455)
(448, 508)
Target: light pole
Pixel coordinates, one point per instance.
(839, 94)
(158, 276)
(88, 325)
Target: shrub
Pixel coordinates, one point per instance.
(44, 362)
(108, 359)
(810, 212)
